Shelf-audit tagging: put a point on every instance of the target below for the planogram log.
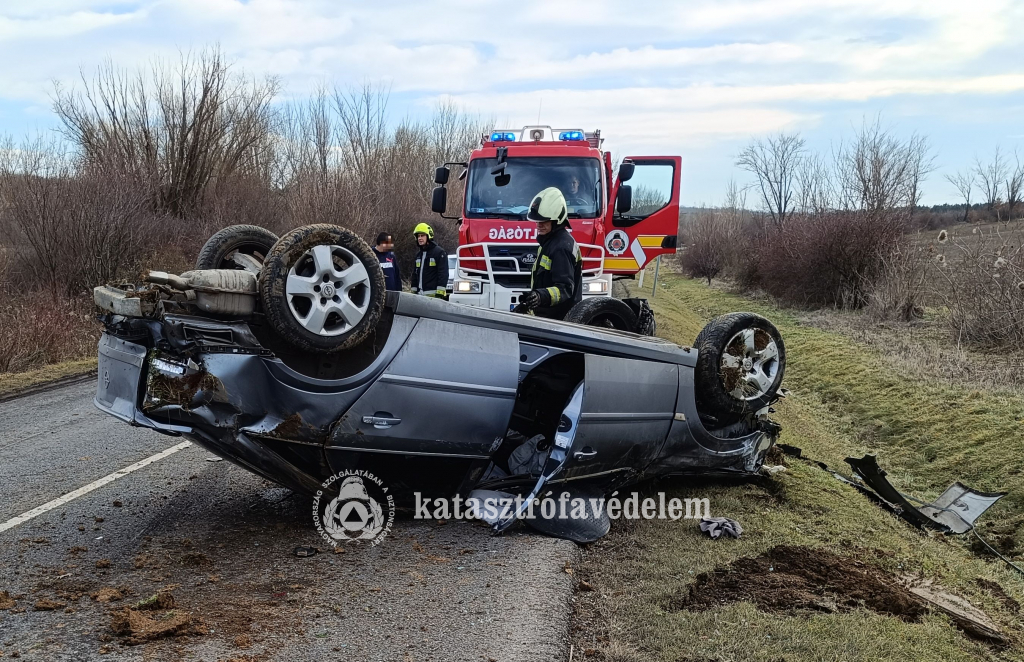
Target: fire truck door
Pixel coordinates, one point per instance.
(637, 236)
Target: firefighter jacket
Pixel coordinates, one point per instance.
(558, 273)
(430, 273)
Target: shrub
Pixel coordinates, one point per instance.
(707, 239)
(40, 327)
(979, 277)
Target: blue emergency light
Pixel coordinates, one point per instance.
(571, 135)
(502, 136)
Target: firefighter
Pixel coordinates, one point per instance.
(556, 282)
(430, 275)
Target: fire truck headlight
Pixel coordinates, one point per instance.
(595, 287)
(467, 287)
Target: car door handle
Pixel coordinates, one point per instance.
(585, 454)
(381, 422)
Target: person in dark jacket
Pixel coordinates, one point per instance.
(556, 283)
(430, 275)
(388, 264)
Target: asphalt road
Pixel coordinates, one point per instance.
(220, 541)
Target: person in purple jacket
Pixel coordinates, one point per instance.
(388, 263)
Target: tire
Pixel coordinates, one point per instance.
(249, 239)
(604, 312)
(322, 288)
(727, 385)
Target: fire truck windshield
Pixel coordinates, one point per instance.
(578, 178)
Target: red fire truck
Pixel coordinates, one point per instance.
(619, 226)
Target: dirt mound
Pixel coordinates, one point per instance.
(45, 604)
(788, 578)
(153, 618)
(107, 594)
(6, 601)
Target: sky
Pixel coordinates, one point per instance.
(693, 78)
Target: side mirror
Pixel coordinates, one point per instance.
(441, 175)
(439, 199)
(626, 169)
(624, 198)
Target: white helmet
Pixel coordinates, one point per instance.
(548, 205)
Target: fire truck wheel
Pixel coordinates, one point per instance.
(604, 312)
(250, 240)
(740, 363)
(322, 288)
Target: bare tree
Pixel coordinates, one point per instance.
(775, 162)
(1013, 186)
(705, 255)
(990, 177)
(964, 183)
(815, 185)
(185, 127)
(71, 226)
(879, 171)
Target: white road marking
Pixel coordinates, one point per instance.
(96, 484)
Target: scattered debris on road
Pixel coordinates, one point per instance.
(6, 601)
(45, 604)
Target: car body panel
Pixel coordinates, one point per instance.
(449, 391)
(628, 406)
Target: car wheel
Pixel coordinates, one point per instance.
(604, 312)
(322, 288)
(740, 363)
(220, 249)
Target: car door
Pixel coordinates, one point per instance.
(628, 408)
(648, 229)
(449, 392)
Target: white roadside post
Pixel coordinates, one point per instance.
(654, 290)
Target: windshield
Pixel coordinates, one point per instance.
(579, 179)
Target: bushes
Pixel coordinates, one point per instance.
(40, 327)
(68, 227)
(707, 239)
(978, 275)
(160, 159)
(833, 258)
(832, 230)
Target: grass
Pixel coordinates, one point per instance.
(13, 382)
(846, 401)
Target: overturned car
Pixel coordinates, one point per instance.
(287, 357)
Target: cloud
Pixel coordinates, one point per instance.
(652, 74)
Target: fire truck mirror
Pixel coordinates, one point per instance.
(441, 175)
(624, 198)
(439, 199)
(626, 169)
(502, 179)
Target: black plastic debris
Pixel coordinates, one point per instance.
(303, 552)
(791, 451)
(716, 526)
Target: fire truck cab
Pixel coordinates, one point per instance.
(619, 226)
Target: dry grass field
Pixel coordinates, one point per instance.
(662, 591)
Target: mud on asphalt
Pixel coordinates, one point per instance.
(202, 567)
